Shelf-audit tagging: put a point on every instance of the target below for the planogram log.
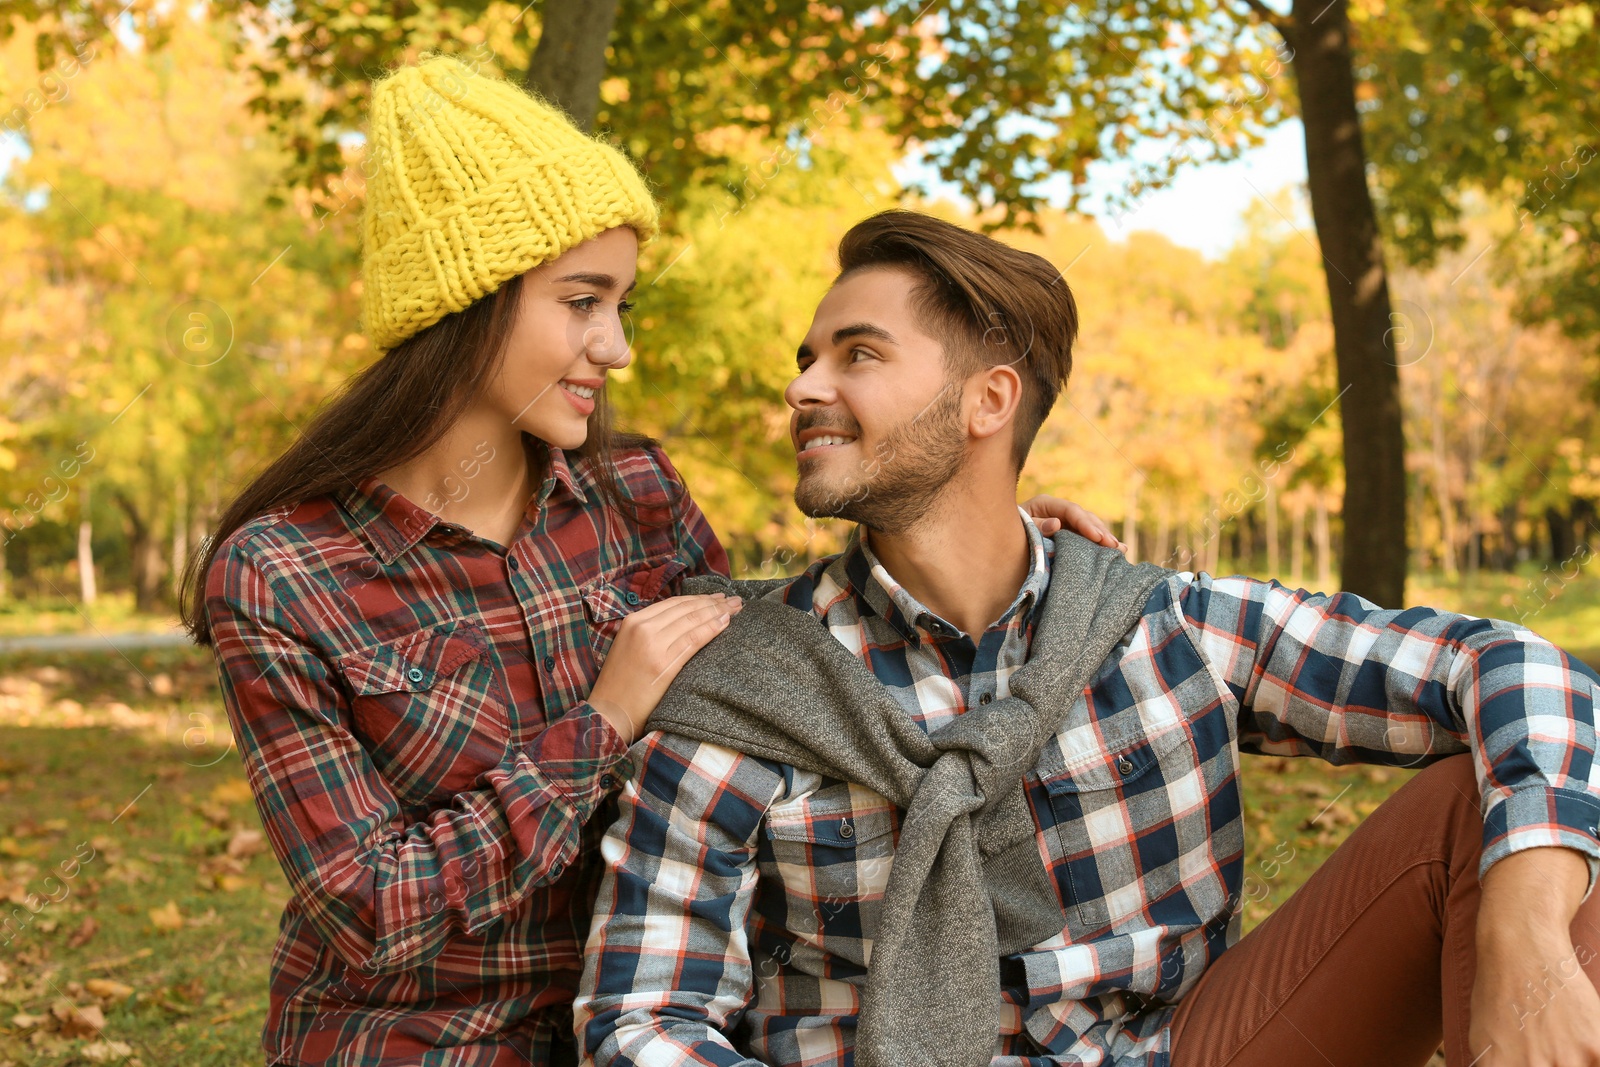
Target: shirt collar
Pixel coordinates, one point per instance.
(910, 617)
(392, 524)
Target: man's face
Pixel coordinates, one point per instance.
(877, 421)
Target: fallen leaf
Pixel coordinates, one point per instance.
(107, 1051)
(218, 815)
(233, 791)
(221, 865)
(118, 961)
(167, 917)
(246, 843)
(231, 883)
(24, 1021)
(86, 930)
(108, 989)
(79, 1022)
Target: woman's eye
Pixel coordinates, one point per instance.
(625, 307)
(585, 303)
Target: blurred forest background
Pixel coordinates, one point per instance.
(1389, 382)
(180, 258)
(179, 224)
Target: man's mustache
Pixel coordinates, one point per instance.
(826, 420)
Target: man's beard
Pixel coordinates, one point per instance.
(892, 491)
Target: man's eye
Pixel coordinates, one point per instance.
(859, 354)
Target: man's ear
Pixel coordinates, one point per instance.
(998, 392)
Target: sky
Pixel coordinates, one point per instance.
(1202, 209)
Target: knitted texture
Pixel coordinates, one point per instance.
(470, 182)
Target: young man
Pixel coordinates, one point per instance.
(965, 792)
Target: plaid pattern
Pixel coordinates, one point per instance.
(740, 896)
(409, 701)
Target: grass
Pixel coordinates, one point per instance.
(1566, 612)
(121, 799)
(150, 942)
(110, 613)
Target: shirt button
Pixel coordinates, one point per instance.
(549, 663)
(607, 782)
(985, 698)
(511, 561)
(631, 597)
(846, 831)
(1124, 764)
(415, 674)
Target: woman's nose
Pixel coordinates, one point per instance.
(605, 341)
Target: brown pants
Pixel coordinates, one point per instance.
(1370, 962)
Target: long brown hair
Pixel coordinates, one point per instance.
(391, 412)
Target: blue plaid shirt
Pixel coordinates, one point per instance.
(735, 922)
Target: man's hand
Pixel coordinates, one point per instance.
(1050, 513)
(1532, 1004)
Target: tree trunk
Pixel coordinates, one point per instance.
(570, 60)
(145, 548)
(1163, 549)
(1130, 521)
(86, 583)
(1272, 534)
(180, 537)
(1441, 479)
(1324, 546)
(1562, 544)
(1297, 544)
(1374, 563)
(5, 572)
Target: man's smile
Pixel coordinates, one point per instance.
(818, 439)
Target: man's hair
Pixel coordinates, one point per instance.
(986, 302)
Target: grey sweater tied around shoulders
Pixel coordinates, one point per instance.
(967, 885)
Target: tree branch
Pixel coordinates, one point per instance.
(1269, 16)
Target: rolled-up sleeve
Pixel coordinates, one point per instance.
(1340, 678)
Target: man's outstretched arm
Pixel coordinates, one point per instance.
(667, 968)
(1337, 677)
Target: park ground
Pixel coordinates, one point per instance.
(123, 805)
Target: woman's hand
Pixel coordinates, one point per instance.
(651, 647)
(1051, 513)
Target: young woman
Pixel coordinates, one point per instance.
(444, 613)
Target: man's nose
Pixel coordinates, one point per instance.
(811, 386)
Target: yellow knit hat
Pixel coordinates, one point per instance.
(470, 182)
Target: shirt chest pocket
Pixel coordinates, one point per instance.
(612, 597)
(1131, 834)
(430, 710)
(831, 850)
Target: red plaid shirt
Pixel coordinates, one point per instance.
(410, 704)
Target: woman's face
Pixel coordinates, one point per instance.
(568, 334)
